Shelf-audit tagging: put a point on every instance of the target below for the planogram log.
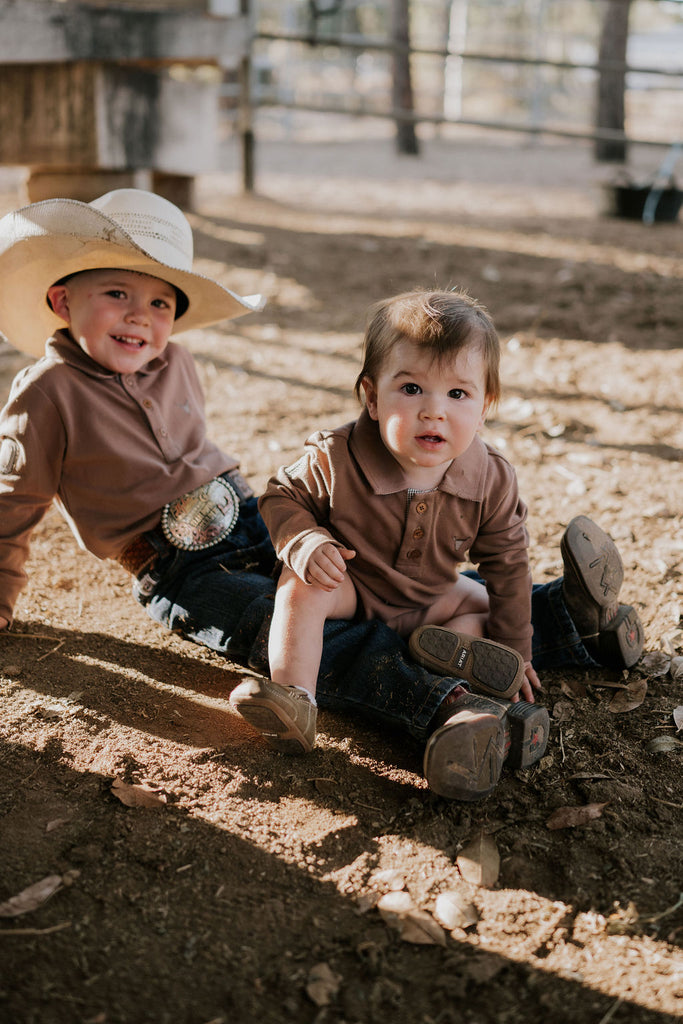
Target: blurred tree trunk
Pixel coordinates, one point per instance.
(402, 85)
(611, 80)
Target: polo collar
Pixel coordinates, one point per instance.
(62, 347)
(464, 477)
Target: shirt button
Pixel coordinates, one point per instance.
(418, 534)
(421, 508)
(414, 555)
(163, 433)
(147, 404)
(130, 381)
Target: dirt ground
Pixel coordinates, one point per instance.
(255, 890)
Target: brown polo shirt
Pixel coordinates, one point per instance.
(348, 488)
(111, 450)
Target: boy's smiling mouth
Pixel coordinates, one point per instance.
(130, 342)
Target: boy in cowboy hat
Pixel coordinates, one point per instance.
(109, 424)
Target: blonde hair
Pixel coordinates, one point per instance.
(444, 322)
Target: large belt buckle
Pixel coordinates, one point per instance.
(203, 517)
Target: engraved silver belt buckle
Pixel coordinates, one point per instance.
(203, 517)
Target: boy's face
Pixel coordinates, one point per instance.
(428, 412)
(121, 319)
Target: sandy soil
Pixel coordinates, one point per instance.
(252, 891)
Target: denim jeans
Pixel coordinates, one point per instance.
(223, 598)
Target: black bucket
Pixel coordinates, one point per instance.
(628, 201)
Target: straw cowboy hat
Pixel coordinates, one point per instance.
(128, 229)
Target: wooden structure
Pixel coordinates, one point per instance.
(95, 96)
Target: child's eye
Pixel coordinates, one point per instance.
(161, 303)
(116, 293)
(411, 389)
(456, 393)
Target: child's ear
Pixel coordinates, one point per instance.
(370, 393)
(485, 411)
(58, 296)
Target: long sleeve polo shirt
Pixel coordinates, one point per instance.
(347, 488)
(109, 449)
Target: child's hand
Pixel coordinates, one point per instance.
(327, 566)
(526, 692)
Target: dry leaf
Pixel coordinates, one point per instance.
(483, 968)
(453, 911)
(573, 688)
(395, 904)
(137, 795)
(678, 717)
(412, 924)
(563, 711)
(662, 745)
(322, 985)
(574, 817)
(656, 663)
(420, 928)
(630, 698)
(479, 861)
(56, 823)
(676, 668)
(31, 898)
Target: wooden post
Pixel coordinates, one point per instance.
(246, 116)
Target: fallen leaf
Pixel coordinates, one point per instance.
(56, 823)
(574, 817)
(137, 795)
(395, 904)
(676, 668)
(32, 898)
(420, 928)
(485, 967)
(454, 911)
(322, 985)
(656, 663)
(663, 745)
(412, 924)
(678, 717)
(563, 711)
(630, 698)
(479, 861)
(572, 688)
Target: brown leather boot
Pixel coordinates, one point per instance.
(593, 575)
(475, 735)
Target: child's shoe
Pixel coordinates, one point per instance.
(593, 575)
(464, 757)
(285, 715)
(487, 666)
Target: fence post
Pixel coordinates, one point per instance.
(246, 119)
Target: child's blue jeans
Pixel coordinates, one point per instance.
(223, 598)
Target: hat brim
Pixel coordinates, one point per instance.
(43, 243)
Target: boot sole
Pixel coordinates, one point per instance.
(278, 728)
(594, 560)
(464, 758)
(487, 666)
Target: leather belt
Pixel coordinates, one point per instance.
(141, 555)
